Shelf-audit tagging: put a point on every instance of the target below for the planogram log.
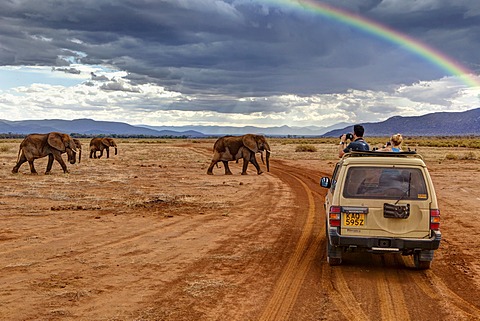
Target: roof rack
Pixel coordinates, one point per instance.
(382, 154)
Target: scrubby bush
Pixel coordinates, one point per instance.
(466, 156)
(305, 148)
(469, 156)
(451, 156)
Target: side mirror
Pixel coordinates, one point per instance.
(325, 182)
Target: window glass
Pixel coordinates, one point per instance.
(385, 182)
(334, 177)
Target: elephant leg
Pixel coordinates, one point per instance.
(245, 166)
(210, 168)
(32, 168)
(101, 153)
(58, 158)
(255, 163)
(108, 152)
(227, 169)
(92, 153)
(49, 164)
(22, 160)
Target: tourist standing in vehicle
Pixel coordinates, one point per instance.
(395, 144)
(357, 142)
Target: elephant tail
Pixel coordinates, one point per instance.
(19, 151)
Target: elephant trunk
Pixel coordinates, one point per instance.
(267, 156)
(71, 155)
(79, 155)
(115, 150)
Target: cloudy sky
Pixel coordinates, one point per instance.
(233, 62)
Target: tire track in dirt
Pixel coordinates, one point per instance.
(333, 280)
(289, 284)
(392, 299)
(436, 289)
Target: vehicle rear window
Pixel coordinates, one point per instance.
(385, 182)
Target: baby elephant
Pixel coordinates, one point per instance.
(99, 144)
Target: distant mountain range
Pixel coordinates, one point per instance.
(86, 127)
(434, 124)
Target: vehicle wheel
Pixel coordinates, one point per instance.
(421, 265)
(336, 253)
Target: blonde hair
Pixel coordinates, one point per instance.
(396, 139)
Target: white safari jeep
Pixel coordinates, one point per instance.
(381, 202)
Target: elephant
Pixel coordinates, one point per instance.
(99, 144)
(53, 145)
(232, 148)
(78, 145)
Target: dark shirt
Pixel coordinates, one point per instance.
(357, 145)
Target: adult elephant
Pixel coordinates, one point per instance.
(232, 148)
(53, 145)
(101, 143)
(78, 145)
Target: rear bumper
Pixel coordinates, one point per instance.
(385, 243)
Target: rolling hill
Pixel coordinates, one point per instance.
(434, 124)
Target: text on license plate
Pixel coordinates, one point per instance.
(353, 219)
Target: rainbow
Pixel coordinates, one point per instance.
(435, 57)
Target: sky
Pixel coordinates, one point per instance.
(237, 62)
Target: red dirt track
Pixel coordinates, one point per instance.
(147, 235)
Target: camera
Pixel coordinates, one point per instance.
(348, 136)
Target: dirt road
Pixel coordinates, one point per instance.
(147, 235)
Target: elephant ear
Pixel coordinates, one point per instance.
(55, 140)
(250, 142)
(106, 141)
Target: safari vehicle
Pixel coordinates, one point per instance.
(381, 202)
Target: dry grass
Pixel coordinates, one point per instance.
(306, 148)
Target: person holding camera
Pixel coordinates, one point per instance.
(394, 144)
(357, 143)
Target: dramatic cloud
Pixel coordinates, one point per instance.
(231, 61)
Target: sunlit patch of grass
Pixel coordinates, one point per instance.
(5, 148)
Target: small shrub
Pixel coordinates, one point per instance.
(305, 148)
(451, 156)
(4, 148)
(469, 156)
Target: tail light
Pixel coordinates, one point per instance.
(334, 215)
(434, 219)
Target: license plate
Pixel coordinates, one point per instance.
(353, 219)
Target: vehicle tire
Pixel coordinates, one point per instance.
(421, 265)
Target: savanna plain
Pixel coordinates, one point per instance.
(148, 235)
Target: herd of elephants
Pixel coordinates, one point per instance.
(54, 144)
